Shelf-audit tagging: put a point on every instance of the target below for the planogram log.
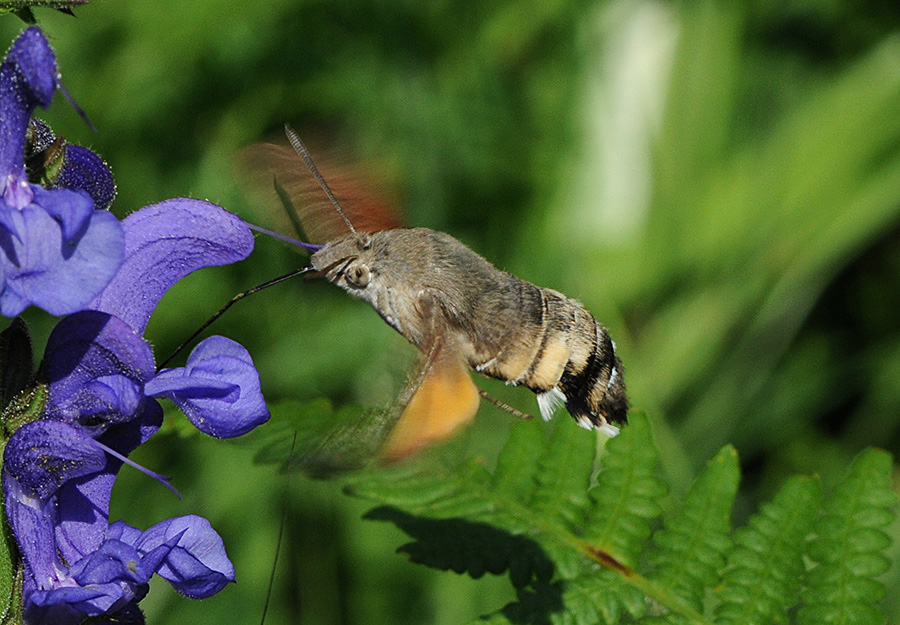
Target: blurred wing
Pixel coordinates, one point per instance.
(280, 181)
(444, 400)
(439, 399)
(348, 442)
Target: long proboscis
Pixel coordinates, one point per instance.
(303, 153)
(234, 300)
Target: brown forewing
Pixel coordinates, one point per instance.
(275, 172)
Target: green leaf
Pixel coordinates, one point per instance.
(765, 567)
(562, 477)
(22, 8)
(627, 495)
(693, 543)
(509, 477)
(849, 545)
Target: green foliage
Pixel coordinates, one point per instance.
(22, 8)
(692, 544)
(765, 567)
(583, 549)
(849, 547)
(626, 497)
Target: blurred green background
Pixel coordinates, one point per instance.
(718, 182)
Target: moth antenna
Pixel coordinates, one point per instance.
(504, 406)
(284, 516)
(303, 153)
(234, 300)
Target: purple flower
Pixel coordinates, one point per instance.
(194, 561)
(102, 389)
(96, 396)
(72, 570)
(218, 384)
(219, 388)
(56, 250)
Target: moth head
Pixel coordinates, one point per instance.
(347, 262)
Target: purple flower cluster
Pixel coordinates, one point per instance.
(56, 251)
(94, 399)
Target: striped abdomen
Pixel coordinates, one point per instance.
(565, 356)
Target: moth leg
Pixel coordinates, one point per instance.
(504, 406)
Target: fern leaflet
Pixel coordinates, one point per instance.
(848, 547)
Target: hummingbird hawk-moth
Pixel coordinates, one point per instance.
(459, 311)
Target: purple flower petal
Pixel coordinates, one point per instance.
(75, 602)
(218, 389)
(115, 394)
(173, 383)
(165, 242)
(197, 566)
(71, 209)
(27, 79)
(10, 218)
(106, 580)
(114, 560)
(35, 61)
(151, 560)
(96, 366)
(44, 270)
(82, 513)
(43, 455)
(32, 522)
(120, 530)
(94, 600)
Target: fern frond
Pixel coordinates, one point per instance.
(626, 498)
(765, 567)
(563, 477)
(692, 544)
(848, 547)
(591, 599)
(578, 548)
(537, 518)
(509, 478)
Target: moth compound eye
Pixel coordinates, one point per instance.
(358, 276)
(365, 241)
